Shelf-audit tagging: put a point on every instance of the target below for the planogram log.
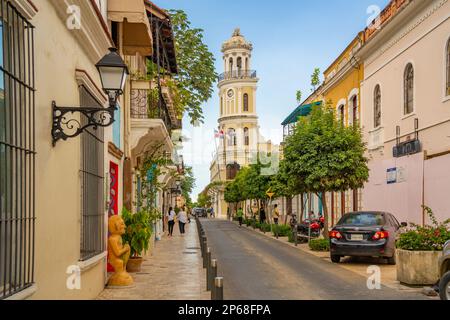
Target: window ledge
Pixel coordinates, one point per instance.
(446, 98)
(413, 114)
(24, 294)
(89, 264)
(379, 128)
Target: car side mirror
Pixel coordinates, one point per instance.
(404, 224)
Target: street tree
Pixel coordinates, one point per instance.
(299, 96)
(196, 71)
(324, 156)
(315, 79)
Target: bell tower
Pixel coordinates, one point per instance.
(237, 91)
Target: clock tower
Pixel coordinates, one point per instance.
(237, 91)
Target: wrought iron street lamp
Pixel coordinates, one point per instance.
(113, 74)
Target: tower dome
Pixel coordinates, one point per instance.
(237, 41)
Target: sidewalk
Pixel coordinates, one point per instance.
(173, 272)
(358, 266)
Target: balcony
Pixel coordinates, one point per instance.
(152, 119)
(238, 75)
(376, 139)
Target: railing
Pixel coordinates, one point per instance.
(376, 138)
(147, 106)
(238, 74)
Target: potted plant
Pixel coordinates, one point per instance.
(138, 233)
(419, 250)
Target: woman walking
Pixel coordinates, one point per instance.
(171, 220)
(182, 220)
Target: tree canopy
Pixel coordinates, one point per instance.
(323, 155)
(196, 70)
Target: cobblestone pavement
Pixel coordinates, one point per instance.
(173, 272)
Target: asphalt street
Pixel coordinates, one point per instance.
(256, 267)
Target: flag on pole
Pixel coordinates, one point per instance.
(218, 134)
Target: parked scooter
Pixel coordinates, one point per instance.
(311, 228)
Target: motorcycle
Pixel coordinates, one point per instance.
(311, 228)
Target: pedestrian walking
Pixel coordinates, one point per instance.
(182, 220)
(262, 215)
(171, 220)
(240, 216)
(276, 215)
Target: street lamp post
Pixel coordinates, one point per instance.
(113, 74)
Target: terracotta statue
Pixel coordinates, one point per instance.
(118, 254)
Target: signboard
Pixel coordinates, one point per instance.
(391, 176)
(407, 148)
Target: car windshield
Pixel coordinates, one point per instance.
(363, 219)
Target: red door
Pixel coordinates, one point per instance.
(113, 208)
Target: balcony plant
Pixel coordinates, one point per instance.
(419, 249)
(138, 233)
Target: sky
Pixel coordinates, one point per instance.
(290, 38)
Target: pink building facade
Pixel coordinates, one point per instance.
(406, 111)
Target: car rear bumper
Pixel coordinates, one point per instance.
(360, 249)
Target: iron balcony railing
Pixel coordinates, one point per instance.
(145, 106)
(238, 74)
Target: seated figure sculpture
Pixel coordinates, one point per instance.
(118, 254)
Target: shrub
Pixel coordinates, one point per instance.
(138, 231)
(291, 237)
(283, 230)
(428, 238)
(322, 245)
(265, 227)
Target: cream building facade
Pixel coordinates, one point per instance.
(55, 199)
(240, 141)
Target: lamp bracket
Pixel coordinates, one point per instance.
(65, 125)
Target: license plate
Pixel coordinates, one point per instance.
(357, 237)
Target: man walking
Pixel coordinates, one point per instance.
(240, 216)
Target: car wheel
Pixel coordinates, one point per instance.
(392, 260)
(444, 287)
(335, 259)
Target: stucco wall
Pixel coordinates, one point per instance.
(57, 55)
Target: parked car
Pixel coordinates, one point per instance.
(200, 212)
(365, 234)
(444, 263)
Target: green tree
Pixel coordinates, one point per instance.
(299, 96)
(187, 185)
(315, 79)
(196, 70)
(323, 156)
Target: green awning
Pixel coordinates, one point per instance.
(301, 111)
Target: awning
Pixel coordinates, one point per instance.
(137, 34)
(301, 111)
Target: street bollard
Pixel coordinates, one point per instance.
(204, 242)
(208, 270)
(205, 247)
(218, 288)
(296, 235)
(212, 276)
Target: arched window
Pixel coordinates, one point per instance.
(232, 139)
(232, 171)
(409, 89)
(239, 66)
(355, 111)
(377, 106)
(341, 111)
(245, 102)
(231, 65)
(448, 68)
(246, 137)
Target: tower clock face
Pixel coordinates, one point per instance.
(230, 93)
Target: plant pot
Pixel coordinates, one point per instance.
(134, 265)
(418, 268)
